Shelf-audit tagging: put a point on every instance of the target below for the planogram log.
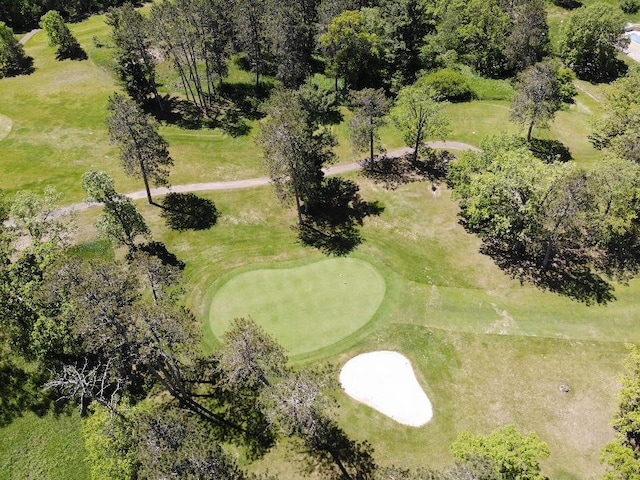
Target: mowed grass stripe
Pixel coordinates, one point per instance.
(306, 307)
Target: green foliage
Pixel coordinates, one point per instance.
(353, 45)
(590, 40)
(622, 455)
(120, 220)
(538, 96)
(419, 115)
(13, 60)
(449, 85)
(61, 37)
(535, 218)
(629, 6)
(295, 150)
(618, 127)
(369, 108)
(134, 63)
(514, 455)
(108, 440)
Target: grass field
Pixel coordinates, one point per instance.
(305, 307)
(486, 349)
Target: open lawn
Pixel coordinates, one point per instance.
(486, 349)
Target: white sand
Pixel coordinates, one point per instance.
(633, 50)
(385, 381)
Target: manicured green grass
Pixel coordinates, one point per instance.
(305, 307)
(43, 448)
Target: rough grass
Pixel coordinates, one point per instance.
(43, 448)
(306, 307)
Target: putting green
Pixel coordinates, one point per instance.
(5, 126)
(305, 307)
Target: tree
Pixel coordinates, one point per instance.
(622, 454)
(61, 37)
(292, 30)
(477, 30)
(557, 225)
(172, 444)
(13, 60)
(528, 41)
(419, 115)
(295, 150)
(353, 45)
(143, 151)
(250, 20)
(299, 407)
(120, 220)
(369, 108)
(194, 34)
(135, 63)
(249, 357)
(590, 40)
(618, 127)
(514, 455)
(407, 23)
(538, 96)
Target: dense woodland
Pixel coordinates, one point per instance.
(113, 337)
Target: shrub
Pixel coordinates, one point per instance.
(630, 6)
(450, 85)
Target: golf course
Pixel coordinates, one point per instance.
(487, 349)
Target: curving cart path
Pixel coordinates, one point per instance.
(260, 181)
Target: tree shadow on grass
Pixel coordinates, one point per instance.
(569, 274)
(159, 250)
(332, 219)
(187, 211)
(223, 114)
(549, 151)
(393, 172)
(72, 52)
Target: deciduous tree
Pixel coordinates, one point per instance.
(618, 126)
(514, 455)
(538, 96)
(591, 39)
(60, 36)
(419, 115)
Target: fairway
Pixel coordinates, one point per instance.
(5, 126)
(305, 307)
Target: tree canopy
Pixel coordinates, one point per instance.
(591, 39)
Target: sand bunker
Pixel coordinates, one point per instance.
(385, 381)
(633, 50)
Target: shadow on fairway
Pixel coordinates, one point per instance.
(332, 220)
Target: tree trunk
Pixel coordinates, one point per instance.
(529, 132)
(547, 255)
(146, 182)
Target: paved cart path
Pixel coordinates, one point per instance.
(259, 181)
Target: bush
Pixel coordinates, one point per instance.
(450, 85)
(630, 6)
